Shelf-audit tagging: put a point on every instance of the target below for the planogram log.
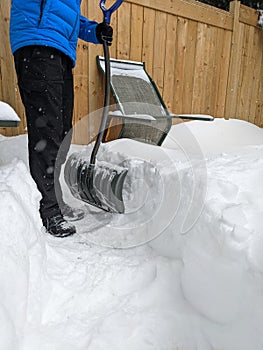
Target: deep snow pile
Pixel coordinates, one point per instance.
(193, 279)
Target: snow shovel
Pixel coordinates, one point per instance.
(98, 183)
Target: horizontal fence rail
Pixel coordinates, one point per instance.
(203, 60)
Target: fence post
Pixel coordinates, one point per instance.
(235, 61)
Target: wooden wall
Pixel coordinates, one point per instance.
(203, 59)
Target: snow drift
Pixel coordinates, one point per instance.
(193, 279)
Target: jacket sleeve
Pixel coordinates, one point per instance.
(87, 30)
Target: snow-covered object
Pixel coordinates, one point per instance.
(7, 113)
(193, 280)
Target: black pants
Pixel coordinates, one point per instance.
(46, 88)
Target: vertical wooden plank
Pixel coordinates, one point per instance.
(148, 38)
(223, 59)
(210, 94)
(124, 31)
(180, 60)
(189, 67)
(81, 93)
(247, 75)
(257, 62)
(217, 48)
(81, 89)
(200, 64)
(169, 74)
(259, 110)
(81, 110)
(242, 68)
(114, 24)
(159, 49)
(235, 62)
(258, 119)
(136, 32)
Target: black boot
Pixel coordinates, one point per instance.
(57, 226)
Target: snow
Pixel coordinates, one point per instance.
(126, 68)
(260, 19)
(188, 271)
(7, 112)
(217, 137)
(137, 116)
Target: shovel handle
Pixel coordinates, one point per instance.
(107, 15)
(108, 12)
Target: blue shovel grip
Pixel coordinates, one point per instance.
(108, 12)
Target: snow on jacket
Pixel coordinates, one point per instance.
(55, 23)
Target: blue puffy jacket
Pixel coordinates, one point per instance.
(55, 23)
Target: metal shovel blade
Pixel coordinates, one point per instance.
(100, 185)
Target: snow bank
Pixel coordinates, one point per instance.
(13, 148)
(17, 226)
(198, 282)
(216, 137)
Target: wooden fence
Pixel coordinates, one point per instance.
(203, 59)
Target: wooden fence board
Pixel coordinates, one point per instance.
(215, 73)
(257, 76)
(208, 97)
(189, 67)
(259, 107)
(179, 72)
(159, 49)
(114, 24)
(95, 86)
(136, 32)
(148, 38)
(169, 64)
(248, 15)
(124, 30)
(200, 68)
(247, 79)
(235, 62)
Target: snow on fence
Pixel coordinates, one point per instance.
(203, 59)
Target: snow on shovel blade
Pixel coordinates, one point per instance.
(100, 185)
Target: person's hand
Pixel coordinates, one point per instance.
(104, 33)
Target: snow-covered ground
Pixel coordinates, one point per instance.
(192, 278)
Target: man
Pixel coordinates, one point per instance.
(43, 36)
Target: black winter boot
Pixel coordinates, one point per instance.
(57, 226)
